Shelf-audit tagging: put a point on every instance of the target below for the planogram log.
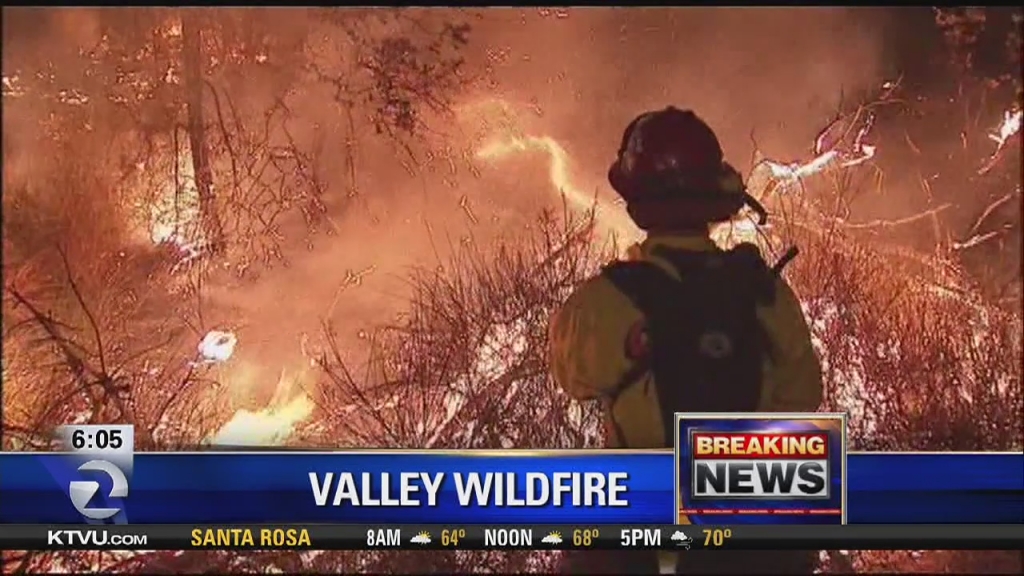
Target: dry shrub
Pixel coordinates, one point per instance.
(919, 360)
(91, 333)
(87, 334)
(467, 366)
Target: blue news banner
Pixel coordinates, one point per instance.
(437, 487)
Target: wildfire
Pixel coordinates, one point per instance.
(843, 144)
(171, 215)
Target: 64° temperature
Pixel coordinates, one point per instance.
(452, 537)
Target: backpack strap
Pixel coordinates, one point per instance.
(644, 283)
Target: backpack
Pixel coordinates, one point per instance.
(707, 346)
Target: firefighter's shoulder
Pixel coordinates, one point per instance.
(596, 295)
(596, 286)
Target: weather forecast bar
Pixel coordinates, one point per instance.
(512, 537)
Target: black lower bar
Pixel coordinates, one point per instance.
(536, 537)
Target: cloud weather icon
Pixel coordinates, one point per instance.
(553, 538)
(681, 539)
(421, 538)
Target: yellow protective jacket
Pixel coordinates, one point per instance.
(588, 359)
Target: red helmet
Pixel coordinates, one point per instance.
(671, 172)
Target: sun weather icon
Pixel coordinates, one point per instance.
(552, 538)
(421, 538)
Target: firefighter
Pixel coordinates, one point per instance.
(642, 318)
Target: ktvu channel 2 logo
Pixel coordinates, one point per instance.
(761, 468)
(98, 471)
(83, 491)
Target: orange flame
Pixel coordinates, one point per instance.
(606, 213)
(274, 424)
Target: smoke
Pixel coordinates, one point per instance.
(775, 73)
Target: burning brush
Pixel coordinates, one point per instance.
(1009, 128)
(843, 143)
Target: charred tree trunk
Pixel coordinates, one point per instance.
(191, 31)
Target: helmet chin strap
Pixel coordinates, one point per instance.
(757, 207)
(762, 219)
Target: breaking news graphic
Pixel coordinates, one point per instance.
(760, 468)
(735, 482)
(585, 487)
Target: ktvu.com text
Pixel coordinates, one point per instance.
(168, 537)
(97, 538)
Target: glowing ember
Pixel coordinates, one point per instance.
(1007, 129)
(795, 170)
(558, 170)
(217, 346)
(175, 212)
(173, 216)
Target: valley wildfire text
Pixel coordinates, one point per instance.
(491, 489)
(759, 465)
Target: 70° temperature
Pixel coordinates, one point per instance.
(716, 537)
